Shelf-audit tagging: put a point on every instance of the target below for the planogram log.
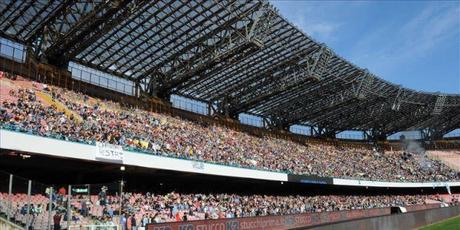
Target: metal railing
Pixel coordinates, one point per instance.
(34, 205)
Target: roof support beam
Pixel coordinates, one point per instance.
(331, 80)
(232, 49)
(375, 135)
(439, 104)
(90, 27)
(297, 72)
(18, 15)
(239, 76)
(146, 44)
(323, 132)
(119, 39)
(223, 28)
(39, 30)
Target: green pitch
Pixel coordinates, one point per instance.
(448, 224)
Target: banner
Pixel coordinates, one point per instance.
(282, 222)
(109, 152)
(309, 179)
(198, 165)
(271, 222)
(80, 190)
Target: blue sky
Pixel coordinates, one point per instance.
(412, 43)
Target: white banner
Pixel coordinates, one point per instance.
(109, 152)
(198, 165)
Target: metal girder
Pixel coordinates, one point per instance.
(311, 108)
(143, 18)
(292, 97)
(41, 29)
(317, 100)
(452, 101)
(284, 77)
(56, 22)
(241, 55)
(352, 101)
(439, 104)
(375, 134)
(24, 20)
(206, 62)
(379, 111)
(274, 80)
(178, 50)
(92, 25)
(429, 134)
(213, 72)
(319, 62)
(319, 131)
(404, 120)
(406, 112)
(18, 15)
(440, 124)
(5, 7)
(36, 25)
(364, 85)
(121, 12)
(338, 112)
(10, 12)
(141, 48)
(287, 82)
(250, 74)
(436, 130)
(215, 94)
(397, 100)
(231, 47)
(348, 116)
(382, 110)
(238, 76)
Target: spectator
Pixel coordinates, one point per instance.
(84, 208)
(124, 222)
(133, 222)
(57, 221)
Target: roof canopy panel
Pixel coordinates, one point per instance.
(242, 56)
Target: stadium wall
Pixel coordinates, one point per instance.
(303, 220)
(271, 222)
(410, 220)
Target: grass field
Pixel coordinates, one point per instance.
(448, 224)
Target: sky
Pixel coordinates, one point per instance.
(415, 44)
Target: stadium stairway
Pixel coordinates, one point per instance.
(7, 225)
(60, 107)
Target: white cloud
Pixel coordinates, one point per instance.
(429, 28)
(321, 31)
(313, 17)
(394, 44)
(317, 28)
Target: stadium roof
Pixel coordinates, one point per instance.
(241, 56)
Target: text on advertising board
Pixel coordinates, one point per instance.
(109, 152)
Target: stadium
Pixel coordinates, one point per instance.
(208, 114)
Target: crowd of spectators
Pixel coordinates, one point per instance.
(140, 209)
(173, 206)
(160, 134)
